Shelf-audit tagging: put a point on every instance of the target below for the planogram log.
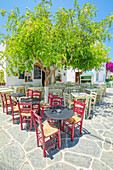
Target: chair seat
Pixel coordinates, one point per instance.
(45, 105)
(8, 102)
(49, 129)
(25, 114)
(92, 102)
(15, 108)
(74, 119)
(68, 102)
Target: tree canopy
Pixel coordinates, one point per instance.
(70, 37)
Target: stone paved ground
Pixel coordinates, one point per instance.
(92, 150)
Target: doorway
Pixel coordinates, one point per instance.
(77, 77)
(43, 78)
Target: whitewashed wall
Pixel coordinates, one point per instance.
(71, 75)
(14, 80)
(101, 74)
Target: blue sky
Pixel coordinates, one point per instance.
(105, 7)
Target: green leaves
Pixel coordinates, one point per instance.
(70, 35)
(3, 12)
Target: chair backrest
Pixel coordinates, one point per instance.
(3, 99)
(37, 119)
(79, 108)
(37, 94)
(29, 93)
(56, 101)
(87, 101)
(93, 96)
(67, 99)
(25, 107)
(50, 96)
(11, 103)
(56, 92)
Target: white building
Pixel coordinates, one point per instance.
(37, 76)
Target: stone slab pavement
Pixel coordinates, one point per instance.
(92, 150)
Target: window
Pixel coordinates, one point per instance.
(21, 75)
(37, 71)
(58, 77)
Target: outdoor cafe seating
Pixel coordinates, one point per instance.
(6, 102)
(63, 110)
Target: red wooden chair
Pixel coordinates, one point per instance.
(44, 106)
(29, 93)
(25, 113)
(5, 102)
(44, 131)
(76, 120)
(14, 109)
(38, 95)
(55, 101)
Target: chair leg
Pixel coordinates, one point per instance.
(31, 124)
(3, 109)
(6, 110)
(63, 125)
(37, 142)
(13, 119)
(42, 112)
(44, 150)
(59, 139)
(81, 128)
(21, 121)
(47, 119)
(39, 108)
(72, 132)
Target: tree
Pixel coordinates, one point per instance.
(88, 50)
(32, 37)
(70, 38)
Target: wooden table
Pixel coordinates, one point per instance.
(59, 113)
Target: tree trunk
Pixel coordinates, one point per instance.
(54, 78)
(46, 88)
(106, 75)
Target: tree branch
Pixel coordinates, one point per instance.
(40, 64)
(52, 72)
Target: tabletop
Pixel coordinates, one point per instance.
(33, 100)
(17, 94)
(79, 94)
(94, 89)
(6, 90)
(59, 112)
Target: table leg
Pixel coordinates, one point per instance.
(59, 124)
